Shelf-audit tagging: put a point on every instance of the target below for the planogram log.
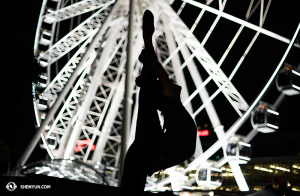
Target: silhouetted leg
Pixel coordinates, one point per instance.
(143, 150)
(179, 140)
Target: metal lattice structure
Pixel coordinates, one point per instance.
(85, 105)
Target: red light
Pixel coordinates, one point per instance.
(81, 143)
(203, 132)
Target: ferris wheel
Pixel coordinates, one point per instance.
(80, 112)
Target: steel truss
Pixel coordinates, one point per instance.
(85, 97)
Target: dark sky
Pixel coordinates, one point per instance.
(259, 64)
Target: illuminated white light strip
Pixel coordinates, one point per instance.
(216, 183)
(246, 158)
(273, 112)
(294, 72)
(214, 148)
(46, 33)
(296, 87)
(237, 20)
(273, 126)
(215, 169)
(245, 144)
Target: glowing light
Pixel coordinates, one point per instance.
(244, 144)
(263, 169)
(273, 112)
(273, 126)
(279, 168)
(203, 132)
(81, 143)
(296, 87)
(297, 73)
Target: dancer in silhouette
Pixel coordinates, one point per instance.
(156, 148)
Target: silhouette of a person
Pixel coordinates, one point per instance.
(153, 149)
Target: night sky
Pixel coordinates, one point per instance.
(18, 35)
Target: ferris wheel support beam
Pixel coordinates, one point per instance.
(218, 128)
(245, 116)
(74, 10)
(175, 179)
(213, 116)
(75, 37)
(170, 34)
(50, 115)
(71, 80)
(127, 96)
(112, 113)
(90, 51)
(101, 67)
(228, 89)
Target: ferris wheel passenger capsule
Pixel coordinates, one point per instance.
(52, 143)
(264, 118)
(42, 81)
(45, 37)
(238, 150)
(42, 102)
(208, 177)
(288, 81)
(48, 17)
(43, 63)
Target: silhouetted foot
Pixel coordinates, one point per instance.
(148, 23)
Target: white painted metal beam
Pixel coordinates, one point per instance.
(101, 67)
(75, 10)
(239, 21)
(75, 37)
(110, 117)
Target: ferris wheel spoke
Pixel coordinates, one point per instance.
(239, 21)
(58, 83)
(112, 113)
(75, 10)
(206, 60)
(75, 37)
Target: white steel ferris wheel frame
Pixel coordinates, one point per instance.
(92, 110)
